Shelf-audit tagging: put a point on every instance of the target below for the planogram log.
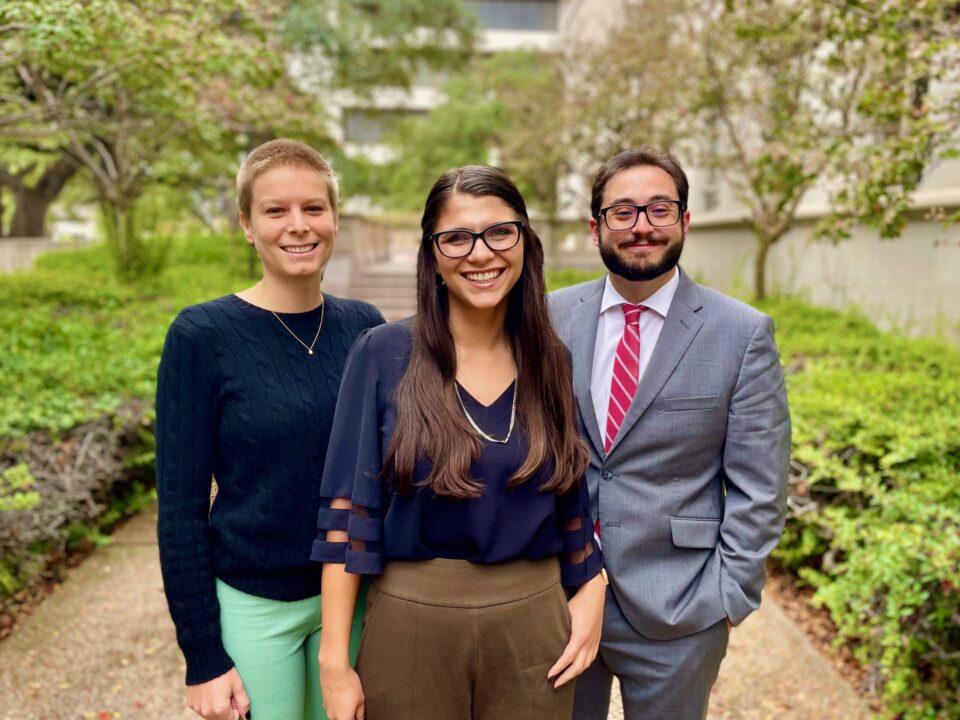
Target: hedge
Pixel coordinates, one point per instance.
(77, 379)
(875, 499)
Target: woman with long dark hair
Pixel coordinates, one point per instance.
(455, 477)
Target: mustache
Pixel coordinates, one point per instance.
(650, 240)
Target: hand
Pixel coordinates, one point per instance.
(586, 613)
(342, 693)
(222, 698)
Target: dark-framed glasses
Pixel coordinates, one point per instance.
(662, 213)
(460, 243)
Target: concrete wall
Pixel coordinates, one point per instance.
(19, 253)
(911, 284)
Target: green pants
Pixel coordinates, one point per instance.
(274, 646)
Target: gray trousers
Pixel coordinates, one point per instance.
(659, 679)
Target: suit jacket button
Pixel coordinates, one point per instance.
(606, 474)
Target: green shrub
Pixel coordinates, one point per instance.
(877, 440)
(557, 279)
(78, 342)
(79, 365)
(15, 492)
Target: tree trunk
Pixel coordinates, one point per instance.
(760, 266)
(118, 222)
(29, 217)
(32, 203)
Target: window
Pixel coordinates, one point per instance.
(426, 76)
(515, 14)
(711, 190)
(368, 125)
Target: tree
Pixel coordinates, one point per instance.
(364, 46)
(34, 185)
(532, 144)
(907, 111)
(775, 97)
(637, 85)
(462, 130)
(545, 116)
(859, 94)
(121, 86)
(508, 109)
(774, 116)
(171, 91)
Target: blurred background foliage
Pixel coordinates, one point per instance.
(145, 109)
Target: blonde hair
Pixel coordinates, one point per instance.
(278, 153)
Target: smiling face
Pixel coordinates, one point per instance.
(292, 223)
(483, 279)
(643, 252)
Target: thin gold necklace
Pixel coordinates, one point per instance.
(309, 348)
(473, 423)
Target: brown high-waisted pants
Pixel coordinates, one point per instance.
(453, 640)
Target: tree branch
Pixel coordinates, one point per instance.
(89, 161)
(101, 76)
(109, 164)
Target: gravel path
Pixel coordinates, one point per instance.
(102, 648)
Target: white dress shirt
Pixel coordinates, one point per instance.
(610, 326)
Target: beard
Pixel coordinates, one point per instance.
(641, 269)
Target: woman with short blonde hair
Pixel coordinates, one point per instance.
(246, 392)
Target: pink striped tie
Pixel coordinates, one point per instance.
(626, 372)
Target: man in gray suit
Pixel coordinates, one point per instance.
(682, 403)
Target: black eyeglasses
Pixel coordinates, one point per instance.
(460, 243)
(662, 213)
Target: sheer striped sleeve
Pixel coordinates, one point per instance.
(350, 520)
(581, 559)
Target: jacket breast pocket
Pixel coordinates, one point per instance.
(680, 404)
(703, 533)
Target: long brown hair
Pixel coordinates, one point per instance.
(430, 423)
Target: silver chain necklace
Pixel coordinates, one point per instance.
(309, 348)
(473, 423)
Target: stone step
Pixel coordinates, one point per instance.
(377, 288)
(390, 287)
(384, 277)
(392, 307)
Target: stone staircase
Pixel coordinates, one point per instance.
(390, 286)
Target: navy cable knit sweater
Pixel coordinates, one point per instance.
(241, 400)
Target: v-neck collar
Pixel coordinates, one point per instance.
(507, 392)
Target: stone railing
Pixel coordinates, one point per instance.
(19, 253)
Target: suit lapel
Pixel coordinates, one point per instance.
(584, 326)
(679, 328)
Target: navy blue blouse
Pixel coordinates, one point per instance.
(498, 526)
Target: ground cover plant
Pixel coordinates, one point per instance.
(874, 522)
(875, 498)
(77, 378)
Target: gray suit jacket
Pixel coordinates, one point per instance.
(692, 495)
